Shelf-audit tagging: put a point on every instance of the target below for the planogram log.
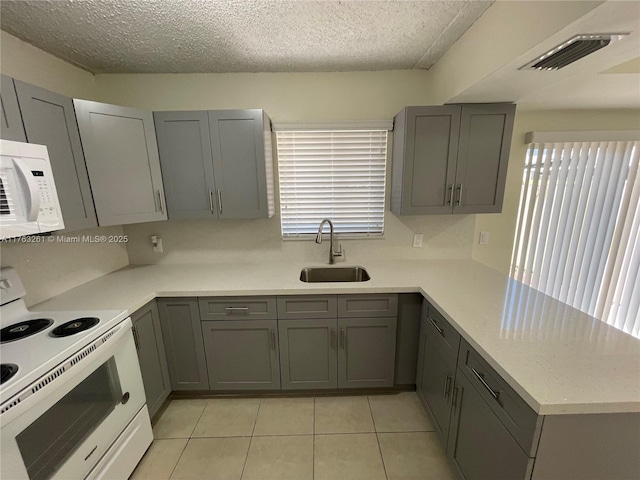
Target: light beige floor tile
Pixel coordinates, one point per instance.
(179, 419)
(414, 456)
(347, 457)
(229, 417)
(160, 460)
(212, 459)
(399, 413)
(343, 415)
(280, 458)
(285, 416)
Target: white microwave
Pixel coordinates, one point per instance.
(28, 196)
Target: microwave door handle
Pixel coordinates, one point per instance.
(34, 190)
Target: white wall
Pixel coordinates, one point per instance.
(501, 226)
(47, 269)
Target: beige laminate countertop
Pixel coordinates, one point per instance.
(560, 360)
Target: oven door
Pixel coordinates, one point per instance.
(64, 428)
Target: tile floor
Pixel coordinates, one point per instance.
(322, 438)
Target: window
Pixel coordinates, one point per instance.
(578, 232)
(335, 174)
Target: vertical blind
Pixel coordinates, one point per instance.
(577, 235)
(335, 174)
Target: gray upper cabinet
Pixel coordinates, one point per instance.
(187, 164)
(242, 354)
(11, 127)
(183, 343)
(147, 334)
(49, 119)
(216, 164)
(451, 158)
(122, 160)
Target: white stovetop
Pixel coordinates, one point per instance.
(558, 359)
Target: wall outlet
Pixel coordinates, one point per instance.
(156, 243)
(417, 240)
(484, 238)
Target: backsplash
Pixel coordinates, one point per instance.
(208, 241)
(58, 262)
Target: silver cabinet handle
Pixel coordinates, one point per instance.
(160, 201)
(136, 340)
(333, 339)
(454, 398)
(440, 330)
(211, 207)
(480, 376)
(236, 310)
(447, 386)
(342, 338)
(450, 194)
(459, 201)
(273, 340)
(219, 201)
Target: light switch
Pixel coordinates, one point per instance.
(417, 240)
(484, 238)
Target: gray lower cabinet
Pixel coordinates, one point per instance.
(242, 354)
(479, 444)
(49, 119)
(11, 127)
(121, 154)
(182, 333)
(451, 158)
(147, 334)
(308, 353)
(366, 352)
(216, 164)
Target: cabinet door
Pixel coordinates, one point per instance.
(483, 155)
(49, 119)
(436, 387)
(187, 164)
(238, 144)
(183, 343)
(430, 153)
(151, 355)
(11, 127)
(479, 444)
(122, 160)
(242, 354)
(366, 353)
(308, 353)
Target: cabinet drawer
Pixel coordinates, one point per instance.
(307, 306)
(237, 308)
(366, 306)
(440, 332)
(520, 419)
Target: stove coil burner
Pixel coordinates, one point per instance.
(74, 326)
(8, 370)
(23, 329)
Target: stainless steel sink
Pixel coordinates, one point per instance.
(334, 274)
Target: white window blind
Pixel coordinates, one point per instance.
(577, 236)
(335, 174)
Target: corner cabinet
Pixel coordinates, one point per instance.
(147, 335)
(216, 164)
(49, 119)
(122, 160)
(451, 158)
(11, 127)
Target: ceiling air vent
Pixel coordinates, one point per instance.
(571, 51)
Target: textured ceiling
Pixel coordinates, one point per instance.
(171, 36)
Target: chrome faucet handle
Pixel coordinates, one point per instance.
(338, 253)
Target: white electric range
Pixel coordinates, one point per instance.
(72, 402)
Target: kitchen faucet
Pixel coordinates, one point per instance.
(332, 253)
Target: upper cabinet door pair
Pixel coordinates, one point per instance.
(451, 158)
(216, 164)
